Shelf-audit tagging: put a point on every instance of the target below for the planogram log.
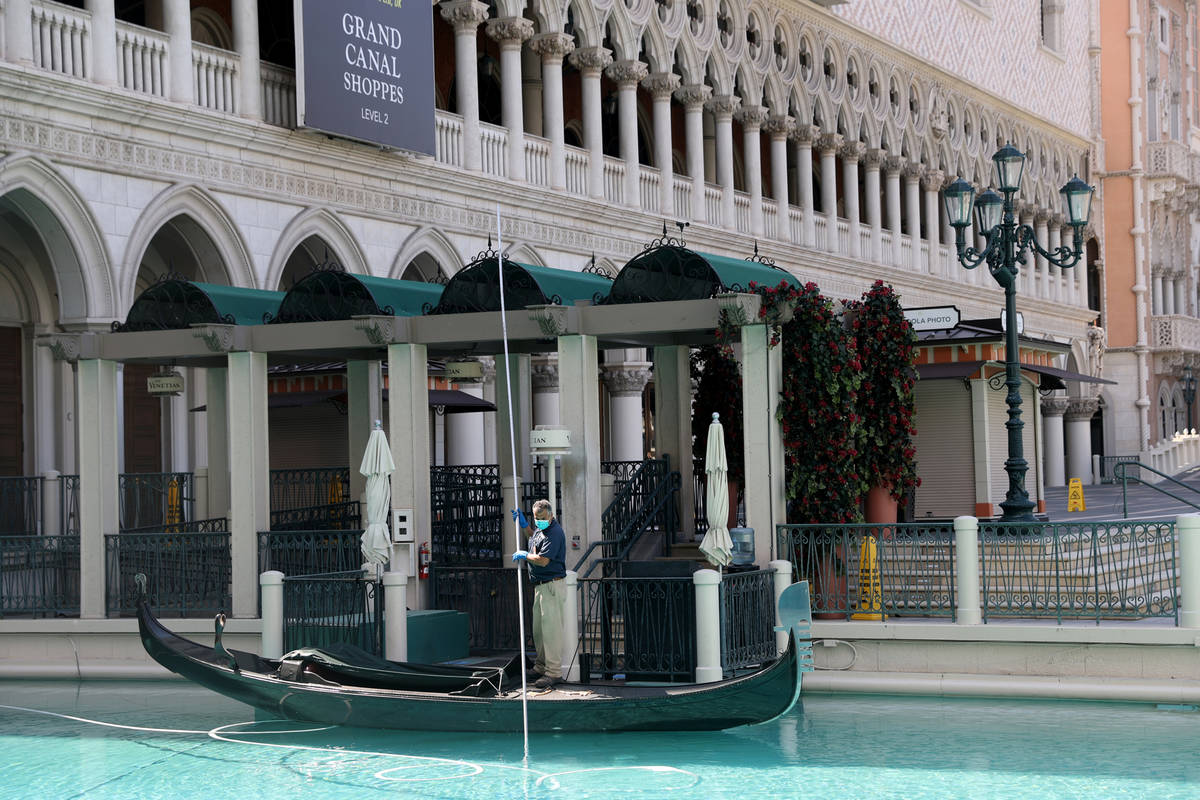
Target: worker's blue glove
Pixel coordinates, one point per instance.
(520, 555)
(519, 516)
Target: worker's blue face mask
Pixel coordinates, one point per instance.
(542, 524)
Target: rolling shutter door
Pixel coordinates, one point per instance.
(945, 452)
(308, 437)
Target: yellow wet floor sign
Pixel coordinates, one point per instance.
(870, 589)
(1075, 496)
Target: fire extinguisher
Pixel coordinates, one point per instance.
(426, 557)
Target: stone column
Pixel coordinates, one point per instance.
(779, 128)
(804, 137)
(18, 31)
(893, 166)
(1180, 296)
(177, 23)
(590, 61)
(553, 48)
(216, 418)
(579, 412)
(1053, 242)
(1156, 296)
(752, 119)
(1080, 411)
(673, 424)
(722, 108)
(693, 98)
(851, 153)
(932, 182)
(661, 85)
(912, 191)
(488, 382)
(1041, 232)
(531, 89)
(96, 432)
(466, 16)
(627, 75)
(249, 474)
(762, 379)
(103, 41)
(364, 405)
(408, 436)
(465, 434)
(1053, 409)
(625, 383)
(827, 145)
(245, 42)
(511, 33)
(543, 376)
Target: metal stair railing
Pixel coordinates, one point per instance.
(658, 504)
(1120, 470)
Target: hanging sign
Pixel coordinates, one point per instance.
(364, 70)
(165, 384)
(933, 318)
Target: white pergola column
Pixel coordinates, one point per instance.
(626, 75)
(1053, 409)
(18, 31)
(514, 405)
(673, 423)
(245, 42)
(364, 405)
(511, 33)
(408, 437)
(579, 412)
(872, 160)
(804, 136)
(893, 166)
(465, 432)
(1054, 241)
(249, 474)
(544, 381)
(625, 383)
(932, 182)
(752, 119)
(216, 420)
(912, 197)
(1079, 415)
(851, 153)
(1041, 232)
(661, 85)
(177, 23)
(96, 431)
(693, 98)
(103, 42)
(827, 145)
(779, 128)
(553, 48)
(722, 108)
(762, 380)
(591, 61)
(466, 16)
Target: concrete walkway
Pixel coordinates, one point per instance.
(1104, 501)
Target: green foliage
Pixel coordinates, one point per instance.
(719, 389)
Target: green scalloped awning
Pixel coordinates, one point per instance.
(332, 294)
(476, 287)
(177, 304)
(677, 273)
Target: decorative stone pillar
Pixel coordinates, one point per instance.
(779, 128)
(543, 377)
(1053, 242)
(893, 166)
(18, 31)
(627, 75)
(409, 437)
(804, 136)
(932, 182)
(531, 89)
(1180, 296)
(851, 153)
(99, 513)
(693, 98)
(177, 23)
(104, 42)
(912, 192)
(553, 48)
(1053, 409)
(579, 412)
(661, 85)
(1041, 232)
(872, 160)
(625, 383)
(827, 145)
(245, 42)
(591, 61)
(722, 108)
(249, 474)
(752, 118)
(1080, 411)
(1156, 296)
(466, 16)
(511, 33)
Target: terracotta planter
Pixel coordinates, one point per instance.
(881, 506)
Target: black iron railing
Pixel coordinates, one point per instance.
(215, 525)
(333, 608)
(747, 619)
(334, 517)
(152, 499)
(20, 506)
(641, 628)
(645, 503)
(68, 504)
(488, 595)
(309, 552)
(306, 488)
(189, 573)
(39, 576)
(467, 515)
(700, 500)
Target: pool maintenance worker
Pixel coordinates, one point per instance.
(547, 558)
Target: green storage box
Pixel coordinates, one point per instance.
(437, 635)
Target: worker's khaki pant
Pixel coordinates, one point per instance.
(548, 600)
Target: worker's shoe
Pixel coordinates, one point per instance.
(546, 682)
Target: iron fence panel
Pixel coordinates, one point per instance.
(747, 619)
(332, 608)
(309, 552)
(39, 576)
(152, 499)
(333, 516)
(215, 525)
(644, 628)
(20, 506)
(488, 595)
(467, 512)
(306, 488)
(189, 573)
(68, 502)
(700, 500)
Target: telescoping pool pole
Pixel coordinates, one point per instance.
(512, 449)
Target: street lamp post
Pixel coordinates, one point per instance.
(1189, 394)
(1007, 244)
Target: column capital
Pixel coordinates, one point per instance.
(913, 171)
(853, 151)
(779, 127)
(1041, 216)
(465, 15)
(488, 365)
(510, 30)
(723, 105)
(694, 95)
(552, 46)
(591, 59)
(804, 133)
(1058, 220)
(873, 158)
(932, 180)
(894, 165)
(627, 72)
(751, 116)
(543, 374)
(625, 380)
(828, 143)
(1055, 406)
(1082, 408)
(661, 85)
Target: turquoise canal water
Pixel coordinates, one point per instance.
(169, 739)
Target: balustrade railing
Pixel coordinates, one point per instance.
(493, 145)
(537, 160)
(278, 95)
(577, 171)
(488, 595)
(189, 573)
(712, 204)
(741, 212)
(334, 608)
(770, 216)
(796, 223)
(467, 514)
(614, 180)
(39, 576)
(683, 197)
(142, 59)
(214, 75)
(448, 137)
(820, 232)
(20, 506)
(842, 242)
(61, 39)
(648, 183)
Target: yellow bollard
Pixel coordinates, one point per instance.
(870, 588)
(1075, 496)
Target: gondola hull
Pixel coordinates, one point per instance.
(755, 698)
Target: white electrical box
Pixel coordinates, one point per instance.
(402, 525)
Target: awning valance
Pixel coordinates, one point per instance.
(325, 295)
(1050, 377)
(673, 272)
(476, 287)
(177, 303)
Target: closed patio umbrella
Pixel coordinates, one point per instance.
(376, 467)
(716, 545)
